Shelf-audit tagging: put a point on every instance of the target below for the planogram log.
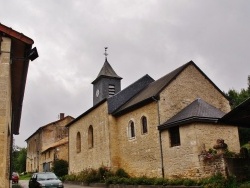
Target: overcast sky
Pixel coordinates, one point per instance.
(143, 37)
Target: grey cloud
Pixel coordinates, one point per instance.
(144, 37)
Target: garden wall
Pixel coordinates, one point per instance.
(239, 167)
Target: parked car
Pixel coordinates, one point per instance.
(45, 179)
(15, 177)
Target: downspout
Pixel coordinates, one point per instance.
(11, 146)
(68, 149)
(161, 151)
(162, 164)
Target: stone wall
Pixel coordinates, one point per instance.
(186, 88)
(140, 155)
(5, 111)
(54, 132)
(99, 154)
(33, 148)
(184, 160)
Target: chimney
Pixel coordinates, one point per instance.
(61, 115)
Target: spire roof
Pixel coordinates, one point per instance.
(107, 71)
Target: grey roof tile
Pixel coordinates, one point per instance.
(151, 92)
(153, 89)
(198, 110)
(126, 94)
(106, 71)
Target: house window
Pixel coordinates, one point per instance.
(174, 135)
(111, 90)
(78, 142)
(144, 125)
(131, 129)
(90, 137)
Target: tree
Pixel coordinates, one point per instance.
(60, 167)
(18, 158)
(237, 98)
(21, 160)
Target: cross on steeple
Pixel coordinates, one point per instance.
(106, 54)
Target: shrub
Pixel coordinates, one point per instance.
(70, 177)
(245, 185)
(178, 181)
(160, 181)
(16, 186)
(103, 173)
(121, 177)
(143, 181)
(88, 176)
(121, 173)
(60, 167)
(189, 182)
(218, 181)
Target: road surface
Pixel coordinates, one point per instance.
(25, 183)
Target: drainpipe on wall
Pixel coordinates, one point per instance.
(158, 112)
(162, 165)
(11, 146)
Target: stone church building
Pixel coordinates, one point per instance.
(156, 128)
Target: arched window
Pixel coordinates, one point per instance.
(78, 142)
(144, 125)
(131, 129)
(90, 137)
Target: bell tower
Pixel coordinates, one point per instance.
(107, 83)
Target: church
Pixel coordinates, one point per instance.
(153, 128)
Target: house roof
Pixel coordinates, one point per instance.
(197, 111)
(106, 71)
(56, 144)
(152, 91)
(239, 116)
(54, 122)
(20, 45)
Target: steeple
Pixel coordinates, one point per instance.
(107, 83)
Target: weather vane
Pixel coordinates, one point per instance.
(106, 54)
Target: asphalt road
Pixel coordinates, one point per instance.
(25, 183)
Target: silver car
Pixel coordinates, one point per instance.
(45, 180)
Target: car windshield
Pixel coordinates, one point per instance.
(14, 174)
(48, 176)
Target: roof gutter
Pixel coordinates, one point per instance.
(15, 34)
(188, 120)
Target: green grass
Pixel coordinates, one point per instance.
(16, 186)
(245, 185)
(25, 177)
(246, 146)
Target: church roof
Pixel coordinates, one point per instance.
(197, 111)
(107, 71)
(126, 94)
(152, 91)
